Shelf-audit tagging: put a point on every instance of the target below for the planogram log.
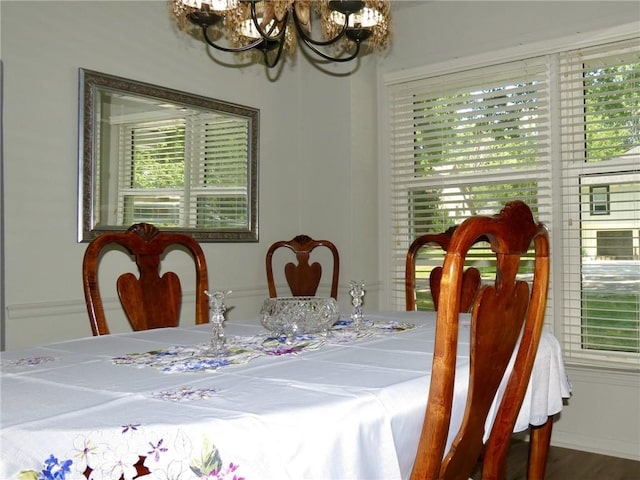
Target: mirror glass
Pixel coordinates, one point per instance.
(182, 162)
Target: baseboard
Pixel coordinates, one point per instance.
(602, 446)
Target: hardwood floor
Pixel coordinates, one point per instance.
(565, 464)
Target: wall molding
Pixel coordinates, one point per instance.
(603, 375)
(78, 306)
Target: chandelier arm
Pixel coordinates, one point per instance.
(243, 48)
(277, 59)
(320, 53)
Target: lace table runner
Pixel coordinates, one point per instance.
(241, 349)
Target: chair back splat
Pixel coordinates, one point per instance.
(149, 301)
(470, 280)
(506, 320)
(303, 278)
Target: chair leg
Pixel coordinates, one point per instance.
(539, 449)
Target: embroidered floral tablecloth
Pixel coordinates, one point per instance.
(123, 451)
(267, 409)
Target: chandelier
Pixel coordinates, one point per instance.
(334, 30)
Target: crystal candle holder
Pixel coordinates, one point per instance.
(217, 308)
(356, 290)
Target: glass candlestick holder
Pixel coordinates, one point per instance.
(356, 290)
(217, 308)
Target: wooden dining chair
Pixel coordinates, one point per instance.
(303, 278)
(506, 319)
(149, 300)
(470, 280)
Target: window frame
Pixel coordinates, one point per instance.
(594, 205)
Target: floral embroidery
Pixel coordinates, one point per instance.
(118, 461)
(186, 358)
(277, 346)
(396, 326)
(53, 470)
(283, 351)
(156, 450)
(209, 465)
(31, 361)
(130, 426)
(198, 358)
(166, 457)
(85, 452)
(184, 393)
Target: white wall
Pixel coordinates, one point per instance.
(306, 166)
(603, 414)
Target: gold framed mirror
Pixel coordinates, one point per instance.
(182, 162)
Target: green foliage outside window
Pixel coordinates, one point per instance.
(159, 164)
(612, 111)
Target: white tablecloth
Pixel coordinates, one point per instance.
(340, 411)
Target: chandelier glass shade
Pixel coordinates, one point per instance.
(334, 30)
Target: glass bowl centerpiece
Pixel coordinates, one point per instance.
(299, 315)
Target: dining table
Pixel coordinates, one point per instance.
(344, 404)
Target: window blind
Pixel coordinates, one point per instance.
(220, 178)
(172, 183)
(600, 124)
(465, 144)
(151, 180)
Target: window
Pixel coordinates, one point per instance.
(615, 245)
(463, 145)
(467, 142)
(164, 183)
(599, 200)
(600, 120)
